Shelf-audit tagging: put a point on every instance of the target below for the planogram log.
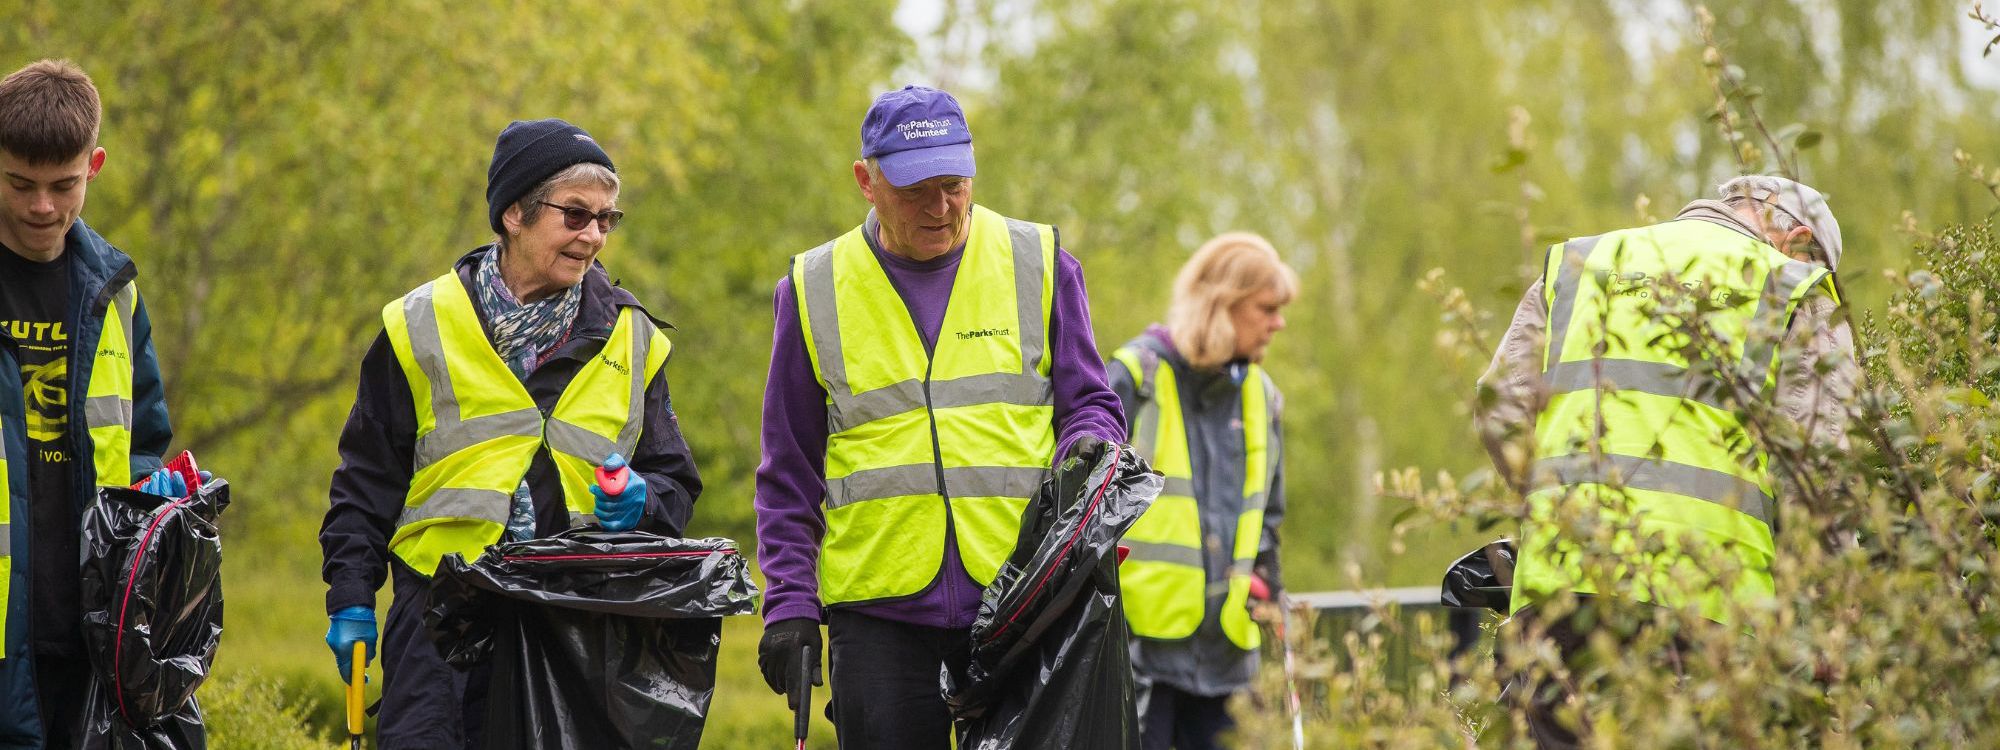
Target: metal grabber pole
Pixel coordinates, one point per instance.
(1291, 674)
(802, 715)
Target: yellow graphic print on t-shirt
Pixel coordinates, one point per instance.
(44, 350)
(48, 400)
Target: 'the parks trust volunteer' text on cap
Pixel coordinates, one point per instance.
(916, 133)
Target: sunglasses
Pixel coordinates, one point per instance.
(575, 219)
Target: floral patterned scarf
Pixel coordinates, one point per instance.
(524, 335)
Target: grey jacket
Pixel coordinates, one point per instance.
(1817, 399)
(1211, 403)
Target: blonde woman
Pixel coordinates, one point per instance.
(1202, 410)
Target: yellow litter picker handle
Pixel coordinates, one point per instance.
(357, 691)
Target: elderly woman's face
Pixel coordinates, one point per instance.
(1257, 319)
(546, 256)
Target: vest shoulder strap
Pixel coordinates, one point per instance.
(1147, 364)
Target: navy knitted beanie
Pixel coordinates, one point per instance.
(530, 151)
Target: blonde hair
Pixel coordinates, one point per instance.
(1225, 272)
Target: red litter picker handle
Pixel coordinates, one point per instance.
(183, 465)
(613, 481)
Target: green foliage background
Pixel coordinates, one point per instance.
(281, 169)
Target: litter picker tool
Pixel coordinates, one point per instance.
(802, 715)
(1291, 674)
(357, 694)
(613, 481)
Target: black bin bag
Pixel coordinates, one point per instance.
(152, 614)
(1481, 579)
(1049, 666)
(597, 639)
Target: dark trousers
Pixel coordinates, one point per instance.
(426, 703)
(885, 681)
(1540, 697)
(62, 687)
(1173, 718)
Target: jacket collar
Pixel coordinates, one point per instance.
(97, 267)
(1717, 212)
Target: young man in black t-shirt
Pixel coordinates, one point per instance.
(70, 319)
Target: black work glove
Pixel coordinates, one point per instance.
(785, 643)
(1086, 448)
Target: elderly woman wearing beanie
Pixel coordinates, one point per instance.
(1201, 409)
(492, 394)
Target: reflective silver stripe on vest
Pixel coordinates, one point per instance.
(857, 409)
(1656, 378)
(427, 346)
(116, 411)
(1575, 254)
(1028, 272)
(6, 537)
(460, 502)
(1180, 486)
(567, 438)
(449, 438)
(125, 303)
(825, 318)
(1658, 476)
(107, 411)
(921, 479)
(642, 350)
(849, 409)
(1771, 308)
(1161, 552)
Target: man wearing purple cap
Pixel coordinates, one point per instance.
(927, 368)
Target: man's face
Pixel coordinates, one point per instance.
(41, 201)
(1257, 320)
(547, 256)
(921, 221)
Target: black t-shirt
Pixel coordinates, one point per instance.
(34, 311)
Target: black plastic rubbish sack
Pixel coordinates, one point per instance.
(597, 639)
(152, 614)
(1482, 579)
(1049, 666)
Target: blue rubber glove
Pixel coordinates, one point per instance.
(165, 483)
(621, 512)
(356, 623)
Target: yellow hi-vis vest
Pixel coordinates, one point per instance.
(1636, 436)
(478, 429)
(959, 438)
(1164, 578)
(107, 415)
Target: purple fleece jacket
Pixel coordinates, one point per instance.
(790, 481)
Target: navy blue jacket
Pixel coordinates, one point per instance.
(97, 271)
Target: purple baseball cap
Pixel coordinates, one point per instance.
(916, 133)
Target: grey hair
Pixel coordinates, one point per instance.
(580, 173)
